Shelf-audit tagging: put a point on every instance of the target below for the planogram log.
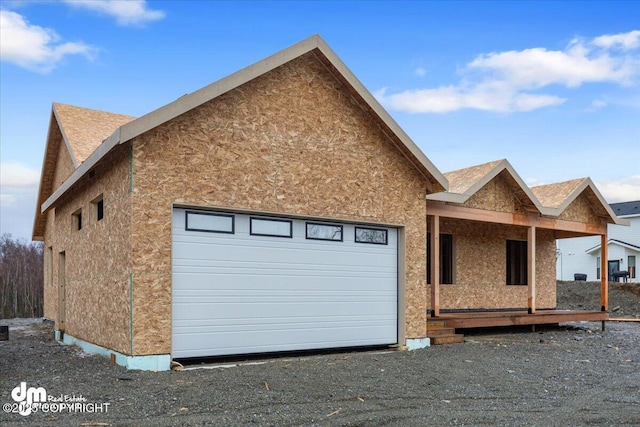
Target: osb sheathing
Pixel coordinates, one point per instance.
(291, 141)
(480, 267)
(61, 171)
(580, 210)
(97, 285)
(496, 195)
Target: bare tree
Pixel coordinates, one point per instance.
(21, 278)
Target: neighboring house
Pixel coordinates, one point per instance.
(280, 208)
(583, 255)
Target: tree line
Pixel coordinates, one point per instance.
(21, 278)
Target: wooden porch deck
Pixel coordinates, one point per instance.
(487, 319)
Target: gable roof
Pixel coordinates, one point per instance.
(84, 129)
(81, 130)
(626, 208)
(464, 183)
(560, 195)
(614, 242)
(129, 130)
(549, 200)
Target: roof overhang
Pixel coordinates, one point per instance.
(614, 242)
(499, 167)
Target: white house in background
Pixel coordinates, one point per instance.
(581, 255)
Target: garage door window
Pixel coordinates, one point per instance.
(209, 222)
(317, 231)
(270, 227)
(375, 236)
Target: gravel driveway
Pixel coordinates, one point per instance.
(557, 376)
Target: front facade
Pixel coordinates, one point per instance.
(278, 209)
(583, 256)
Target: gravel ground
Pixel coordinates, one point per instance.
(568, 375)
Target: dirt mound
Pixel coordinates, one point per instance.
(624, 298)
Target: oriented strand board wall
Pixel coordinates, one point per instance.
(291, 141)
(97, 257)
(480, 262)
(496, 195)
(580, 210)
(63, 169)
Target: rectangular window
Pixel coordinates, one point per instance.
(446, 259)
(317, 231)
(598, 268)
(77, 219)
(516, 262)
(375, 236)
(100, 210)
(271, 227)
(210, 222)
(98, 204)
(631, 264)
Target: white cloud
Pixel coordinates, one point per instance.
(421, 72)
(630, 40)
(130, 12)
(32, 47)
(18, 175)
(509, 81)
(620, 190)
(18, 195)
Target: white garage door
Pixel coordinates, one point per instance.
(252, 284)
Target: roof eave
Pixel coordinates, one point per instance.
(85, 167)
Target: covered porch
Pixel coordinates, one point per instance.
(492, 248)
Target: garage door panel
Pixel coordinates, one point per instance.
(239, 293)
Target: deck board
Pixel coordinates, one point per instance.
(486, 319)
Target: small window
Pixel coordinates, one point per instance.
(631, 266)
(598, 268)
(317, 231)
(271, 227)
(375, 236)
(77, 219)
(98, 204)
(517, 262)
(210, 222)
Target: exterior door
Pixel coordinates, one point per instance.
(613, 267)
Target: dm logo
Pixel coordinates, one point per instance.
(26, 397)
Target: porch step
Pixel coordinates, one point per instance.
(439, 333)
(447, 339)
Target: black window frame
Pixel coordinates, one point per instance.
(99, 209)
(447, 258)
(217, 214)
(355, 235)
(77, 219)
(517, 263)
(306, 231)
(252, 233)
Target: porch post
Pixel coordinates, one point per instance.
(531, 269)
(604, 273)
(434, 229)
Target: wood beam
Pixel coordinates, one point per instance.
(434, 229)
(527, 220)
(531, 269)
(604, 273)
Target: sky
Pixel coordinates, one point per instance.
(554, 87)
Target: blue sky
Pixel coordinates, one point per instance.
(554, 87)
